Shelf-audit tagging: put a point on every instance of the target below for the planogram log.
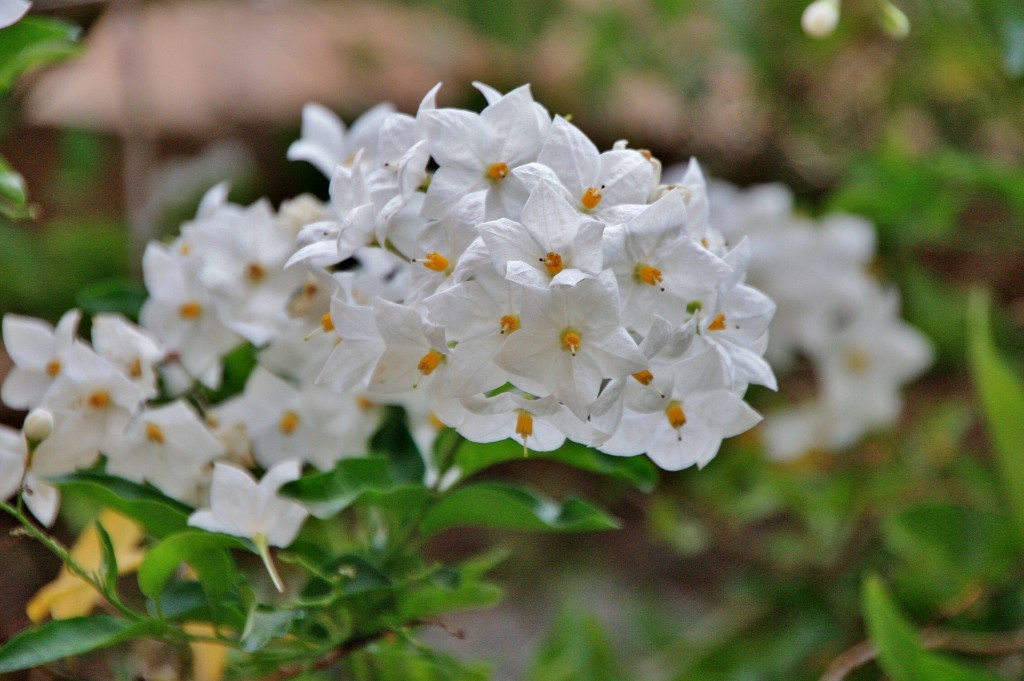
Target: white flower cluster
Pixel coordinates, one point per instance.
(529, 287)
(831, 311)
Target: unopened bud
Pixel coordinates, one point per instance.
(894, 21)
(820, 18)
(38, 425)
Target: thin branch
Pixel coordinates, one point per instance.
(968, 642)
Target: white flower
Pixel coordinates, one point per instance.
(325, 141)
(129, 348)
(167, 446)
(569, 342)
(39, 352)
(11, 11)
(820, 18)
(42, 499)
(243, 507)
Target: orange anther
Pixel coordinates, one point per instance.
(571, 341)
(591, 198)
(154, 433)
(718, 323)
(429, 362)
(497, 171)
(553, 262)
(509, 323)
(190, 310)
(289, 422)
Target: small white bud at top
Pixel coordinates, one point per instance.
(38, 425)
(894, 21)
(820, 18)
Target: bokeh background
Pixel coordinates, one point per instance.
(749, 569)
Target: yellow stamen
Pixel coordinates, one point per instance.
(184, 248)
(553, 262)
(135, 367)
(676, 416)
(53, 368)
(857, 361)
(99, 399)
(524, 427)
(509, 323)
(646, 154)
(154, 433)
(429, 362)
(364, 403)
(591, 197)
(190, 310)
(289, 422)
(254, 272)
(718, 323)
(326, 322)
(571, 341)
(644, 377)
(436, 422)
(649, 275)
(497, 171)
(435, 261)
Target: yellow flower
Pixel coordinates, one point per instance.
(70, 595)
(208, 659)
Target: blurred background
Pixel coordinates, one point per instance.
(749, 569)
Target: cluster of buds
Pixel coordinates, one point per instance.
(529, 287)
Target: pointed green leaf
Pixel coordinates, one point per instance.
(636, 470)
(61, 639)
(108, 566)
(326, 494)
(1002, 401)
(34, 41)
(204, 551)
(503, 506)
(899, 652)
(159, 514)
(434, 600)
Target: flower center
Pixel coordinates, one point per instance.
(718, 323)
(190, 310)
(429, 362)
(497, 171)
(591, 197)
(644, 377)
(289, 422)
(327, 322)
(53, 368)
(184, 248)
(509, 323)
(254, 272)
(99, 399)
(571, 341)
(135, 368)
(646, 274)
(676, 416)
(553, 262)
(435, 261)
(365, 403)
(857, 361)
(154, 433)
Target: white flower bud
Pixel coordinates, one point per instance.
(820, 18)
(38, 425)
(894, 21)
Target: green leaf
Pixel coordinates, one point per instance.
(637, 470)
(32, 42)
(264, 625)
(113, 295)
(204, 551)
(394, 440)
(326, 494)
(503, 506)
(108, 566)
(577, 647)
(899, 652)
(159, 514)
(60, 639)
(13, 196)
(1002, 401)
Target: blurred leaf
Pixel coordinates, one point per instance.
(435, 599)
(899, 652)
(636, 470)
(1002, 401)
(34, 41)
(13, 196)
(397, 661)
(238, 364)
(60, 639)
(204, 551)
(113, 295)
(936, 309)
(576, 647)
(265, 624)
(159, 514)
(326, 494)
(394, 440)
(503, 506)
(108, 565)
